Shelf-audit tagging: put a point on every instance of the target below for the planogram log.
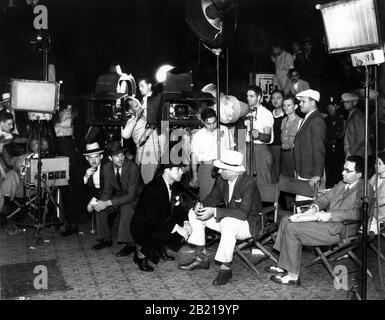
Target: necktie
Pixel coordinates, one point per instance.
(119, 179)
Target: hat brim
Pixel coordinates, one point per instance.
(123, 150)
(94, 151)
(219, 164)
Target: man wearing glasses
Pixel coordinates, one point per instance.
(322, 224)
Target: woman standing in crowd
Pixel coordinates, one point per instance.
(290, 125)
(379, 180)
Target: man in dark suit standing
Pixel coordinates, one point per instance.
(159, 217)
(122, 186)
(309, 143)
(354, 141)
(231, 208)
(316, 227)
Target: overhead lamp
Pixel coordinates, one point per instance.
(161, 74)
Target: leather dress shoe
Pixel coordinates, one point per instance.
(126, 251)
(274, 269)
(223, 277)
(166, 257)
(195, 264)
(143, 263)
(102, 244)
(278, 279)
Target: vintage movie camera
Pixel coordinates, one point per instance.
(180, 109)
(108, 106)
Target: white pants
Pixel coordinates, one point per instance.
(231, 230)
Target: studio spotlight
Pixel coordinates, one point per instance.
(161, 73)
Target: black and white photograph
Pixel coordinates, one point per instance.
(192, 156)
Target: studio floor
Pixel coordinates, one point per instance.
(101, 275)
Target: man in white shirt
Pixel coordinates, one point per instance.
(145, 138)
(283, 62)
(145, 88)
(204, 150)
(259, 123)
(231, 208)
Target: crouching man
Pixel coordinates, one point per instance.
(160, 220)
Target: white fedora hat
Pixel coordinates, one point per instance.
(93, 148)
(231, 160)
(315, 95)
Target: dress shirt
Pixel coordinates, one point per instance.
(231, 187)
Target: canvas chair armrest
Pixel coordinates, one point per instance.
(266, 210)
(348, 223)
(302, 203)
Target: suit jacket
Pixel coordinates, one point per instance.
(156, 211)
(355, 134)
(245, 203)
(92, 191)
(132, 184)
(344, 205)
(302, 86)
(309, 147)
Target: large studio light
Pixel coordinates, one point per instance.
(351, 25)
(213, 21)
(161, 73)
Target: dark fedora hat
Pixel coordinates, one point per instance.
(171, 164)
(114, 148)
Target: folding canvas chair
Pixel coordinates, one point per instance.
(297, 187)
(373, 238)
(269, 194)
(343, 247)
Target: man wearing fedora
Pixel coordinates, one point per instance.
(160, 219)
(121, 187)
(85, 185)
(309, 143)
(354, 141)
(231, 208)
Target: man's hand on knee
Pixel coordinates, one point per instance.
(101, 205)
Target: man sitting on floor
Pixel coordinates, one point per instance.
(231, 208)
(316, 227)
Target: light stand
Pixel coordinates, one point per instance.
(365, 200)
(217, 53)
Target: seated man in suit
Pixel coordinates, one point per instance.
(231, 208)
(122, 186)
(159, 217)
(316, 227)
